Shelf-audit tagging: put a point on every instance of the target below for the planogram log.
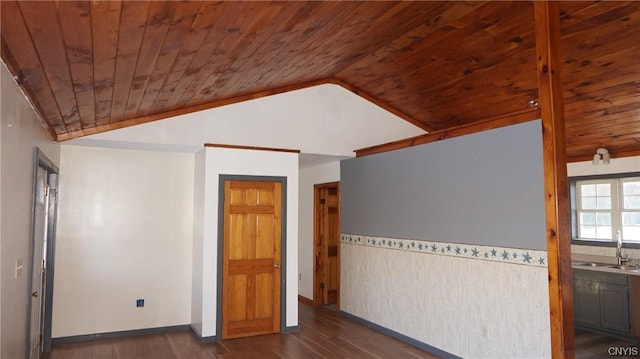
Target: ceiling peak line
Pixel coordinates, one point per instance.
(381, 104)
(233, 100)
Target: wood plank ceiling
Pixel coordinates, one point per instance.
(95, 66)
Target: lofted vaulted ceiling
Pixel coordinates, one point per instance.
(94, 66)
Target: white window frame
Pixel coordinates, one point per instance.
(633, 210)
(617, 202)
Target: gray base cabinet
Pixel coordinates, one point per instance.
(614, 304)
(586, 302)
(601, 302)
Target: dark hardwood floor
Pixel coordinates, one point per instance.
(595, 346)
(323, 334)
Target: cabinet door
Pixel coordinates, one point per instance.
(586, 303)
(614, 308)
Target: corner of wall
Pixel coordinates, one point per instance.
(198, 216)
(308, 178)
(22, 131)
(1, 266)
(243, 162)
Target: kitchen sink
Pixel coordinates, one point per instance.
(631, 268)
(625, 267)
(594, 264)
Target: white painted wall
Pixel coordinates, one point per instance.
(617, 165)
(587, 168)
(197, 269)
(125, 231)
(308, 178)
(226, 161)
(1, 125)
(325, 119)
(321, 121)
(21, 132)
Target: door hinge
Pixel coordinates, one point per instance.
(46, 190)
(321, 285)
(42, 265)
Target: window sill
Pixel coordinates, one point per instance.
(586, 242)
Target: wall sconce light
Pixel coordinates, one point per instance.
(601, 153)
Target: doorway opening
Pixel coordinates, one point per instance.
(326, 244)
(41, 257)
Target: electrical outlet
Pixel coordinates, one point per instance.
(140, 303)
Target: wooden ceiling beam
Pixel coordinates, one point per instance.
(254, 148)
(496, 122)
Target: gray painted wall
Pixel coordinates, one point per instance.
(485, 188)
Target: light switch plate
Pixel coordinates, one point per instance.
(18, 271)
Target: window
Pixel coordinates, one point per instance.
(594, 210)
(605, 208)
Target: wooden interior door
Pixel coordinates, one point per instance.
(251, 258)
(327, 244)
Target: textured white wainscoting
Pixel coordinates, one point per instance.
(468, 307)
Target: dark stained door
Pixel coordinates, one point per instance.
(327, 242)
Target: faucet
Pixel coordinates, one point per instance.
(621, 259)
